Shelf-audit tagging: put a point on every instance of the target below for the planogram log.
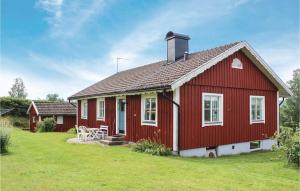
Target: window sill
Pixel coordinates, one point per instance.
(100, 119)
(212, 124)
(83, 117)
(255, 122)
(257, 149)
(149, 124)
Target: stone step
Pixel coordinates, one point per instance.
(109, 142)
(115, 138)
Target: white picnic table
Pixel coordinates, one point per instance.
(85, 133)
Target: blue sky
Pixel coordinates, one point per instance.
(63, 46)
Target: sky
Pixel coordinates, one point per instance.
(63, 46)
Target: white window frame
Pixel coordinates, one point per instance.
(236, 60)
(33, 119)
(263, 110)
(60, 120)
(255, 149)
(148, 122)
(101, 118)
(82, 110)
(220, 122)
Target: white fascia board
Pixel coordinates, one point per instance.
(34, 106)
(276, 80)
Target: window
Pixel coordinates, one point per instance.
(33, 119)
(254, 145)
(60, 120)
(212, 109)
(236, 63)
(84, 109)
(101, 108)
(257, 109)
(149, 110)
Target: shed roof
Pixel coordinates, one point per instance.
(53, 108)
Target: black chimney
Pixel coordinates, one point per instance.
(177, 45)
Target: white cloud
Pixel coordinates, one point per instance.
(38, 87)
(176, 15)
(67, 18)
(282, 54)
(85, 69)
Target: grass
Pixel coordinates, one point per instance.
(44, 161)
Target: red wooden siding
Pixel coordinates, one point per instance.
(236, 86)
(32, 113)
(92, 122)
(69, 122)
(164, 130)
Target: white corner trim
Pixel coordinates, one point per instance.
(34, 106)
(263, 109)
(187, 77)
(220, 123)
(143, 97)
(176, 98)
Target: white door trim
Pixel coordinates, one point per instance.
(117, 116)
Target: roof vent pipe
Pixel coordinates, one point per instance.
(185, 56)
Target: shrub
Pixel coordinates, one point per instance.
(20, 122)
(72, 131)
(47, 125)
(151, 147)
(289, 142)
(4, 139)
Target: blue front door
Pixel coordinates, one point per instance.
(121, 116)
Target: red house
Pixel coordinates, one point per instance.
(63, 112)
(222, 100)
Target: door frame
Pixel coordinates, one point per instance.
(117, 115)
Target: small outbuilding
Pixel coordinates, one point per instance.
(63, 112)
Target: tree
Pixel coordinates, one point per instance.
(53, 97)
(290, 111)
(18, 89)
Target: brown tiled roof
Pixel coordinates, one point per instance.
(152, 76)
(55, 108)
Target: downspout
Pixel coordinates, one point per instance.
(72, 103)
(178, 118)
(281, 101)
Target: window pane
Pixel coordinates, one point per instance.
(215, 115)
(153, 103)
(147, 103)
(259, 109)
(147, 115)
(153, 115)
(253, 109)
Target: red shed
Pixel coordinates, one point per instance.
(63, 112)
(222, 100)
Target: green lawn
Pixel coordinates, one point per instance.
(44, 161)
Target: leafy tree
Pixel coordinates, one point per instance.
(18, 89)
(53, 97)
(290, 111)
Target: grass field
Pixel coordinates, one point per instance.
(44, 161)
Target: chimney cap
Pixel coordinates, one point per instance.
(171, 35)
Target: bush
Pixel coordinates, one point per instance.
(72, 131)
(20, 122)
(47, 125)
(151, 147)
(4, 138)
(289, 142)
